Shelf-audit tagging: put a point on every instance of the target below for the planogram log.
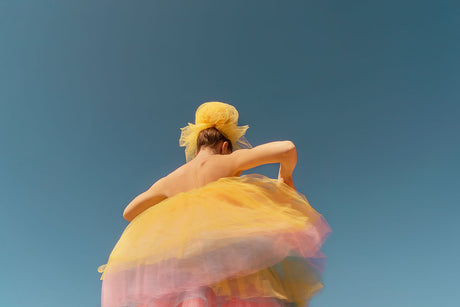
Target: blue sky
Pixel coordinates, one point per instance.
(93, 93)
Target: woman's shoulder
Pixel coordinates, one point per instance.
(175, 181)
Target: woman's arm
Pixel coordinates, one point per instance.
(283, 152)
(144, 201)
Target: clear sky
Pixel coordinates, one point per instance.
(93, 93)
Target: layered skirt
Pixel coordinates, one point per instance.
(240, 241)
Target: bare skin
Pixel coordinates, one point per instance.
(211, 164)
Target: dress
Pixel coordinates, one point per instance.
(239, 241)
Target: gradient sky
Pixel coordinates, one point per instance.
(93, 93)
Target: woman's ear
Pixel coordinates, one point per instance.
(224, 148)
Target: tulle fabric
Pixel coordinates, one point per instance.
(240, 241)
(223, 117)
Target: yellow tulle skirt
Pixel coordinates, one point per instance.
(239, 241)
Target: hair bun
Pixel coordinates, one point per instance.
(223, 117)
(216, 113)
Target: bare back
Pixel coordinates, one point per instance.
(208, 168)
(197, 173)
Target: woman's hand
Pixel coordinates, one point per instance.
(285, 177)
(287, 165)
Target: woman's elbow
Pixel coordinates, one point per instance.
(289, 148)
(127, 215)
(289, 153)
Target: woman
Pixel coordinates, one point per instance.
(206, 236)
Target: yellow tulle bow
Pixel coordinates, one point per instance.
(223, 117)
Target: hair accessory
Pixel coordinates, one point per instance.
(223, 117)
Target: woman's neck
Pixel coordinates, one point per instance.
(205, 152)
